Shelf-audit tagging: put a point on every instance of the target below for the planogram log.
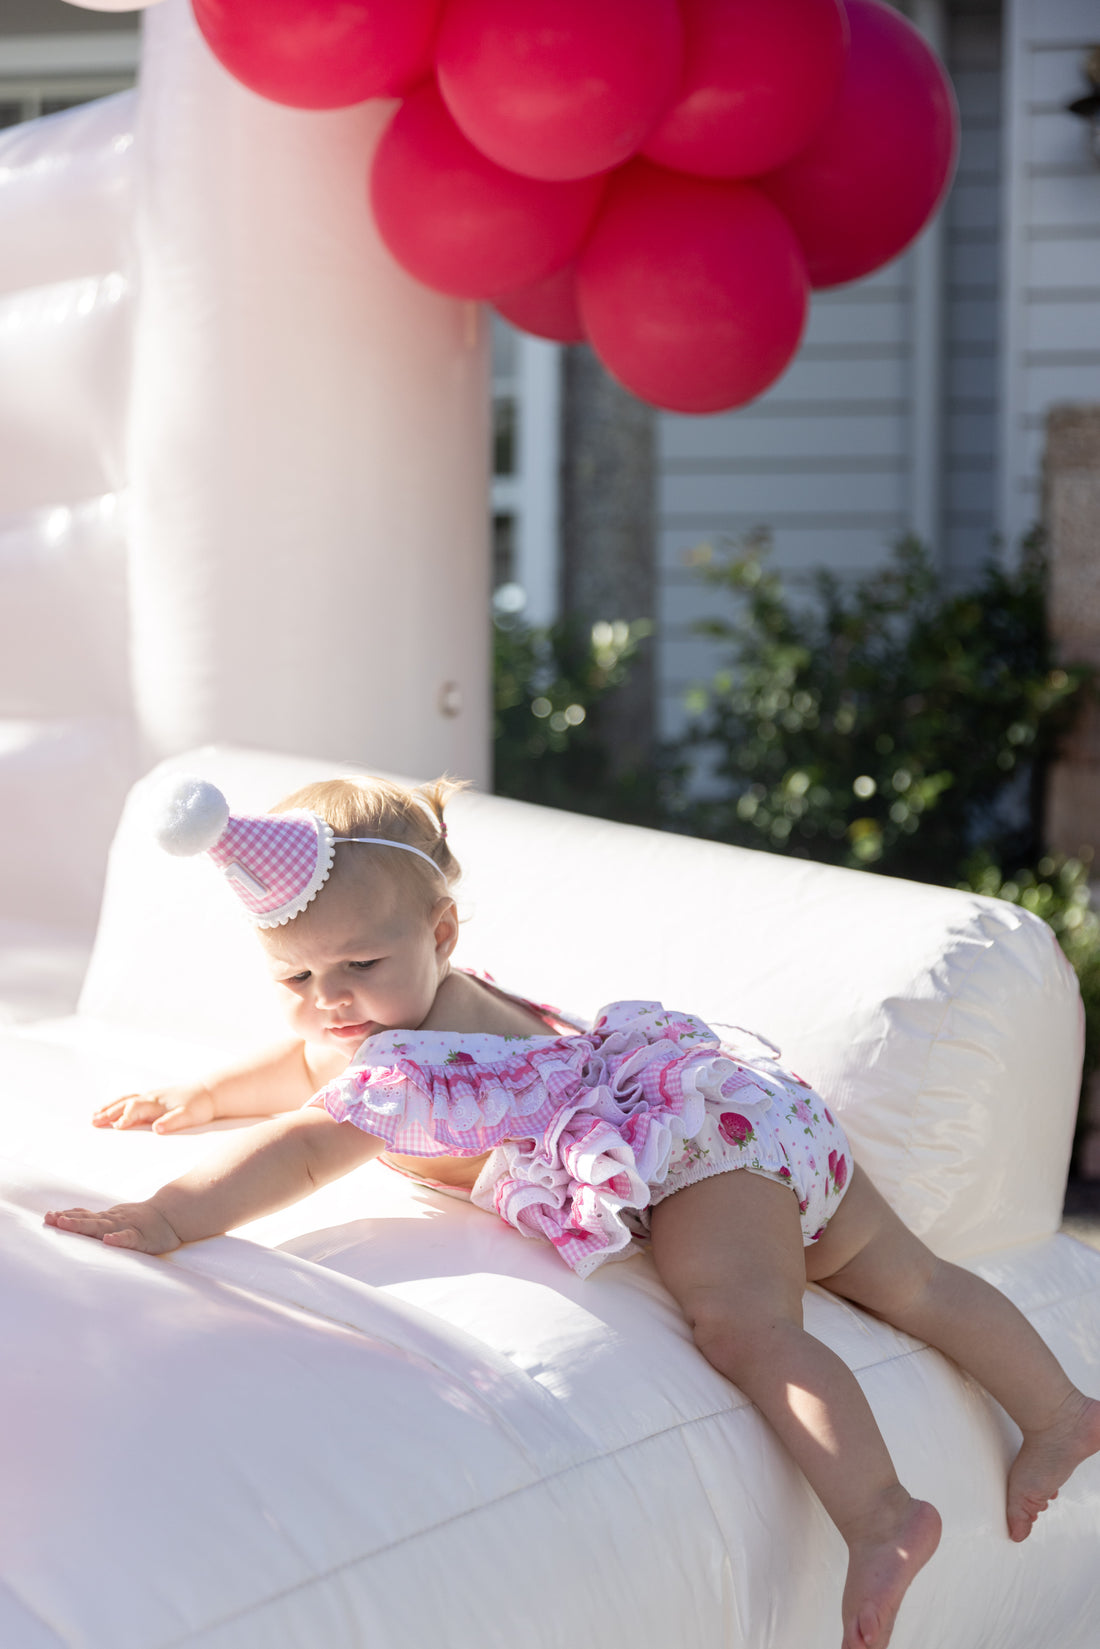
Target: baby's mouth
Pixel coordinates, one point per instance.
(349, 1031)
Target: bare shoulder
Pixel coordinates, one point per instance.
(465, 1004)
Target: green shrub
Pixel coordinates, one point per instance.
(890, 725)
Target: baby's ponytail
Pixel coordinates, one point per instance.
(435, 797)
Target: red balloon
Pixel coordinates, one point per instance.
(692, 293)
(759, 78)
(321, 54)
(459, 223)
(883, 161)
(558, 89)
(548, 308)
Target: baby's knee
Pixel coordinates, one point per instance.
(737, 1331)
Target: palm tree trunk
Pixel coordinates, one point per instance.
(608, 537)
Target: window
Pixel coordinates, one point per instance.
(526, 461)
(26, 97)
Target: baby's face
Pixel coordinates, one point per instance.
(364, 959)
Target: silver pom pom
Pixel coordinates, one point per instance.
(189, 815)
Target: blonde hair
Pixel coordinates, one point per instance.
(395, 812)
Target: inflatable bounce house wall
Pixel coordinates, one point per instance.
(383, 1417)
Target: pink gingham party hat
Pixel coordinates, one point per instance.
(274, 862)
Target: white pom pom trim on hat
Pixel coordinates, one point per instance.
(189, 816)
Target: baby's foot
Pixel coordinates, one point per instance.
(881, 1567)
(1048, 1457)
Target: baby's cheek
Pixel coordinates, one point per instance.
(294, 1010)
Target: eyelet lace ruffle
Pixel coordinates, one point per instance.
(579, 1126)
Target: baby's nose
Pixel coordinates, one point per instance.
(331, 993)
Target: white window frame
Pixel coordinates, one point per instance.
(531, 494)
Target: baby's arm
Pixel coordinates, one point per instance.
(263, 1169)
(278, 1079)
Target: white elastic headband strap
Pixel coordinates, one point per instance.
(384, 841)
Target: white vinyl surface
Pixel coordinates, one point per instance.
(382, 1418)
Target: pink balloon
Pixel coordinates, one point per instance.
(759, 78)
(882, 163)
(548, 308)
(692, 293)
(558, 89)
(321, 54)
(459, 223)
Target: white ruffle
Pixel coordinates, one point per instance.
(578, 1186)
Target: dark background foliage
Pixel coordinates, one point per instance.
(548, 685)
(891, 725)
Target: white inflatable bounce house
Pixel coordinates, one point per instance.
(241, 532)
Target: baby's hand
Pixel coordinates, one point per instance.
(138, 1225)
(168, 1109)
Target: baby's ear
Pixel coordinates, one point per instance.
(445, 927)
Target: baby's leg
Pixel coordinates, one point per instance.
(730, 1251)
(867, 1255)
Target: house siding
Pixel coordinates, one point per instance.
(1051, 313)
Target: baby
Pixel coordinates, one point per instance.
(647, 1125)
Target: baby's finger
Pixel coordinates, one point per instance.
(106, 1114)
(79, 1220)
(178, 1117)
(129, 1237)
(138, 1111)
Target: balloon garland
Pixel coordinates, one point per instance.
(666, 178)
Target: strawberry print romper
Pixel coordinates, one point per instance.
(590, 1131)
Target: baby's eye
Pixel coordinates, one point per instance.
(370, 964)
(297, 978)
